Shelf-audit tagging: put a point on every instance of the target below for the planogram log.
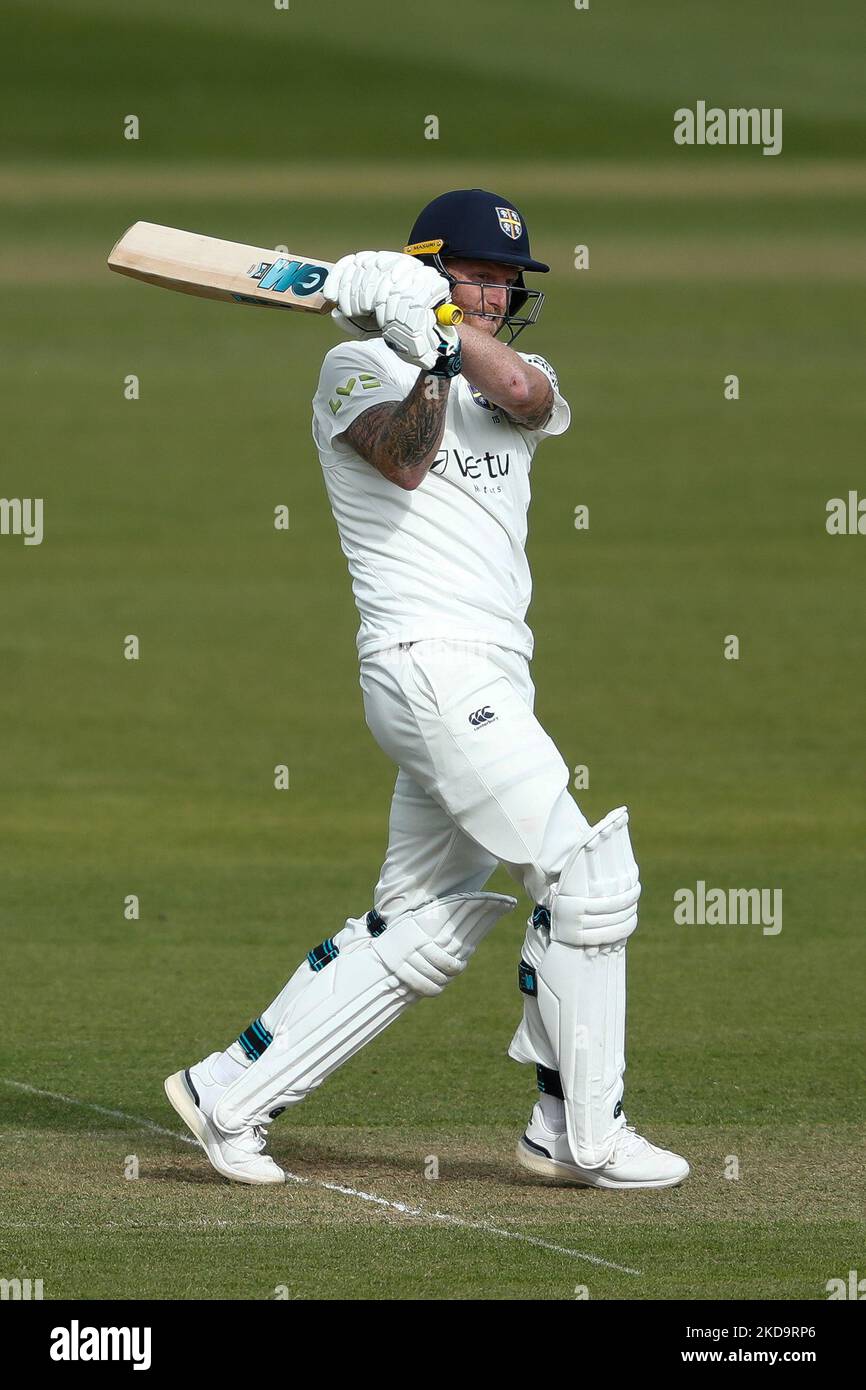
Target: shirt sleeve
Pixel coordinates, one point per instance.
(354, 376)
(560, 416)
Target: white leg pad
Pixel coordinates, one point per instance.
(581, 1001)
(355, 930)
(330, 1014)
(530, 1042)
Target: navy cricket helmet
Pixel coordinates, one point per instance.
(480, 226)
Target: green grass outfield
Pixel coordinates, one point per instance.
(155, 777)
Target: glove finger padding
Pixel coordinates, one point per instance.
(404, 271)
(421, 281)
(353, 281)
(345, 286)
(386, 269)
(360, 292)
(365, 327)
(338, 275)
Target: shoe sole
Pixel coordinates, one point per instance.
(555, 1170)
(180, 1098)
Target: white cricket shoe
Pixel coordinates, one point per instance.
(635, 1162)
(194, 1093)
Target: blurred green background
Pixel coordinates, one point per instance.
(306, 127)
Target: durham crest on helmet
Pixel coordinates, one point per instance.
(509, 222)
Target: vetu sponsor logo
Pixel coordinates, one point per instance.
(489, 465)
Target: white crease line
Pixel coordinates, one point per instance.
(478, 1226)
(402, 1207)
(100, 1109)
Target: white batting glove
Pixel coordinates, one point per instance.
(411, 329)
(346, 315)
(362, 283)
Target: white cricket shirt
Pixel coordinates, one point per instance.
(446, 559)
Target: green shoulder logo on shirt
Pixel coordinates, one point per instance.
(367, 380)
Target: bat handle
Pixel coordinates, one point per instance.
(449, 315)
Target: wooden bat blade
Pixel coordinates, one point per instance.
(213, 269)
(209, 268)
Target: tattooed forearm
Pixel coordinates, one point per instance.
(400, 438)
(415, 429)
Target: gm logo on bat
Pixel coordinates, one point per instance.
(301, 277)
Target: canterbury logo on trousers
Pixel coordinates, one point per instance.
(481, 716)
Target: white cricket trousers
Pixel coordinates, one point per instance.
(479, 782)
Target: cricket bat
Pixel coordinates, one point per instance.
(214, 269)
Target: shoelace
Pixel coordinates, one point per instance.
(252, 1140)
(629, 1142)
(261, 1137)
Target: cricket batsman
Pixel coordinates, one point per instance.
(426, 435)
